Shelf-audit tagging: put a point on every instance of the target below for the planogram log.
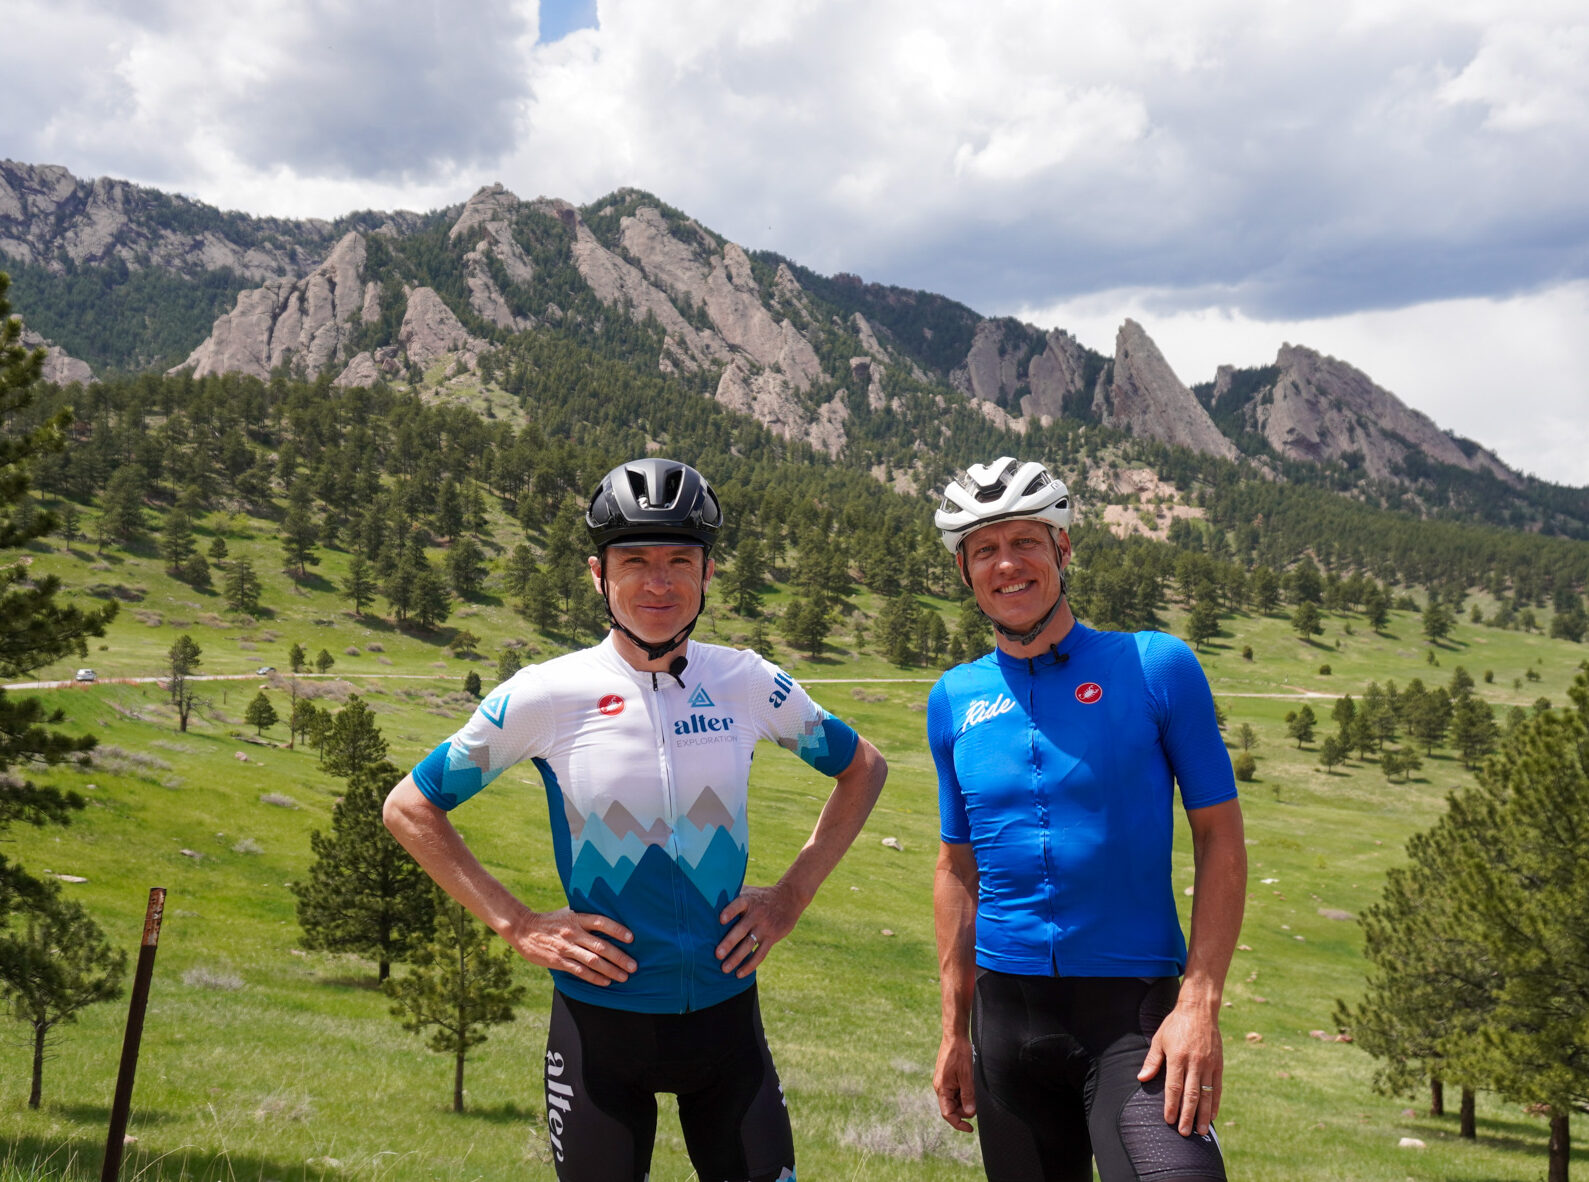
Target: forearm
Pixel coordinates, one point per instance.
(1219, 895)
(428, 835)
(855, 792)
(954, 898)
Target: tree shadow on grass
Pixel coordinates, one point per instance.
(506, 1113)
(82, 1159)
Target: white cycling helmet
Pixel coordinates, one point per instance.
(1005, 490)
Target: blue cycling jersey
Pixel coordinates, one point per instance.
(1059, 771)
(646, 785)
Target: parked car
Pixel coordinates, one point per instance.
(83, 675)
(264, 669)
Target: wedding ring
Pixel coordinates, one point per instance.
(754, 943)
(1208, 1087)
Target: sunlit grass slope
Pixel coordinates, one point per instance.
(263, 1062)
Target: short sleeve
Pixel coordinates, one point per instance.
(953, 826)
(787, 715)
(1188, 728)
(513, 723)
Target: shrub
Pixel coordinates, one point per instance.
(1246, 652)
(1245, 767)
(1324, 670)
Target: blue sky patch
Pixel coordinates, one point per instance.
(559, 18)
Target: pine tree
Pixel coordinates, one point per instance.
(323, 660)
(35, 630)
(1437, 621)
(1202, 624)
(121, 515)
(519, 570)
(1305, 620)
(242, 587)
(54, 963)
(297, 658)
(1473, 729)
(973, 629)
(460, 985)
(177, 546)
(1332, 752)
(353, 741)
(806, 624)
(894, 634)
(466, 568)
(363, 892)
(298, 533)
(1300, 724)
(1520, 876)
(540, 601)
(260, 713)
(509, 663)
(1431, 978)
(182, 658)
(742, 581)
(359, 586)
(432, 600)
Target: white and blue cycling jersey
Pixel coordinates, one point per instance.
(646, 783)
(1060, 772)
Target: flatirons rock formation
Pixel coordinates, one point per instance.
(488, 218)
(47, 215)
(305, 321)
(59, 366)
(1148, 398)
(1320, 409)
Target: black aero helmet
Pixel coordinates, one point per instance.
(653, 502)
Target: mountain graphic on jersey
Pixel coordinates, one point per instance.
(701, 700)
(710, 846)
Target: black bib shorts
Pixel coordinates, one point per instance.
(604, 1068)
(1055, 1063)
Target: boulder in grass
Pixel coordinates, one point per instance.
(1254, 1036)
(1410, 1143)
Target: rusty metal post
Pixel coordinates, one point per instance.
(122, 1105)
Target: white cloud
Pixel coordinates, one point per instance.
(1511, 373)
(1305, 163)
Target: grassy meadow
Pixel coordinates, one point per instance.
(261, 1061)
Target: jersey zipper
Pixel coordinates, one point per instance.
(1040, 801)
(670, 801)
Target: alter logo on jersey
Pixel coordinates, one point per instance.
(981, 710)
(781, 685)
(611, 705)
(700, 699)
(697, 724)
(1088, 692)
(495, 709)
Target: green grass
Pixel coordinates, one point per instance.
(263, 1062)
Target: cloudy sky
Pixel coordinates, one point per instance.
(1401, 183)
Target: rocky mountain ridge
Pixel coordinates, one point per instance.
(799, 352)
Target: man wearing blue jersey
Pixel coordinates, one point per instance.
(643, 744)
(1069, 1031)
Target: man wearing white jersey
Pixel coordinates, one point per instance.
(643, 744)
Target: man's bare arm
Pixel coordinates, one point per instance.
(770, 913)
(1187, 1046)
(566, 940)
(954, 908)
